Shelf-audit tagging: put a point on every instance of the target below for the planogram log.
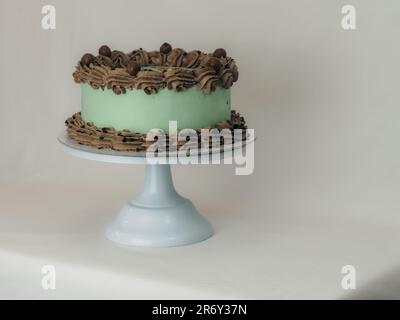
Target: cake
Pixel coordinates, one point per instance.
(125, 95)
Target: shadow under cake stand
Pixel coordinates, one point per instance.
(158, 216)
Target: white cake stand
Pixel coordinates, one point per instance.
(158, 216)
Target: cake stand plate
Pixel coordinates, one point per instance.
(158, 216)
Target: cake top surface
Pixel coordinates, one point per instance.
(168, 67)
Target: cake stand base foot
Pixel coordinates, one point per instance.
(158, 216)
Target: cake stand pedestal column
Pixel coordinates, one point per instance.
(158, 216)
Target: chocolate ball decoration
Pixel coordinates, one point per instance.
(219, 53)
(165, 48)
(133, 68)
(87, 59)
(105, 51)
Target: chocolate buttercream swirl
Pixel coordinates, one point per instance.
(179, 79)
(104, 77)
(207, 79)
(192, 59)
(119, 80)
(175, 57)
(157, 58)
(103, 61)
(99, 76)
(230, 63)
(119, 71)
(139, 56)
(119, 59)
(150, 81)
(81, 74)
(96, 76)
(226, 76)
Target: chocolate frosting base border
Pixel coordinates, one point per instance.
(86, 133)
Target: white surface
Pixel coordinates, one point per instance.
(258, 250)
(325, 192)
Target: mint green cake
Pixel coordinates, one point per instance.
(137, 111)
(124, 96)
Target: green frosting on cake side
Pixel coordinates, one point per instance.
(139, 112)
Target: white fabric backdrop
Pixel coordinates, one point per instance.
(325, 106)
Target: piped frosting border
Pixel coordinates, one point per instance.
(86, 133)
(170, 68)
